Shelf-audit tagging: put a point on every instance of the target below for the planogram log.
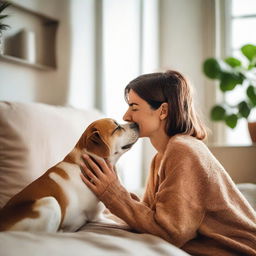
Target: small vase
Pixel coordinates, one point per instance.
(252, 131)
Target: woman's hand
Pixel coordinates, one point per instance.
(98, 176)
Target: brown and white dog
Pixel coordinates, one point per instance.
(59, 200)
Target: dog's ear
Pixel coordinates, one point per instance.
(96, 145)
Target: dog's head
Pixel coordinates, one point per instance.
(108, 139)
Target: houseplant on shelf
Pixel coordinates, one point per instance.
(3, 6)
(230, 74)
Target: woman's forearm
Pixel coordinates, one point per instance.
(136, 214)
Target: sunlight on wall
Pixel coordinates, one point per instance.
(81, 91)
(128, 53)
(121, 45)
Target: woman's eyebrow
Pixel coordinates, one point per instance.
(132, 104)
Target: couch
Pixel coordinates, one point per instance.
(34, 137)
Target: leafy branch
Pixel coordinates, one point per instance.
(3, 6)
(230, 73)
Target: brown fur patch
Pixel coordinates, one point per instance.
(21, 205)
(73, 156)
(14, 213)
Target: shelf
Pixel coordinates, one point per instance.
(20, 61)
(31, 39)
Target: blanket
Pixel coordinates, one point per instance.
(93, 239)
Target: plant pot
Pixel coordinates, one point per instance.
(252, 131)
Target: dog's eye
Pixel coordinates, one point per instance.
(117, 128)
(127, 146)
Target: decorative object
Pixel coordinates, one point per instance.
(3, 6)
(24, 46)
(33, 39)
(232, 73)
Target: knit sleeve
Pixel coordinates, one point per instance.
(179, 204)
(177, 210)
(136, 214)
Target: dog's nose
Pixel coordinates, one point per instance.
(134, 126)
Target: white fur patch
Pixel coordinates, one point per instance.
(83, 205)
(48, 220)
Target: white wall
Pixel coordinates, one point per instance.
(83, 70)
(23, 83)
(239, 162)
(181, 39)
(185, 40)
(181, 47)
(75, 48)
(121, 64)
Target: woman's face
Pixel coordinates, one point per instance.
(143, 115)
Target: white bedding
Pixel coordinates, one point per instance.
(95, 239)
(92, 239)
(33, 138)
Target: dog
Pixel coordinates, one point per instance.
(59, 200)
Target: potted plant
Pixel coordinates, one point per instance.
(230, 74)
(3, 6)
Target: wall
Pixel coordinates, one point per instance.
(181, 47)
(181, 40)
(74, 59)
(185, 39)
(239, 162)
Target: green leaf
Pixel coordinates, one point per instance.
(231, 120)
(218, 113)
(228, 81)
(211, 68)
(3, 16)
(244, 109)
(4, 5)
(249, 51)
(251, 93)
(233, 62)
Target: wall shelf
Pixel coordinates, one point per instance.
(31, 40)
(16, 60)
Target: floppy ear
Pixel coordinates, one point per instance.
(96, 145)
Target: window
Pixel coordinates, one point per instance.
(243, 24)
(129, 48)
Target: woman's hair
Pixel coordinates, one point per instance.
(170, 87)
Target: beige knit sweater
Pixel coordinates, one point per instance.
(190, 201)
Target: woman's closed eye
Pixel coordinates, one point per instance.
(133, 107)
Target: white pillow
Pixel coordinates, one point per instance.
(34, 137)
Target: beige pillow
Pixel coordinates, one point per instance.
(34, 137)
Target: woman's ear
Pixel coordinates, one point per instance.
(164, 111)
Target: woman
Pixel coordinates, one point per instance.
(190, 200)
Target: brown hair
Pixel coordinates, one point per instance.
(173, 88)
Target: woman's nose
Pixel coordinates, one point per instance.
(127, 116)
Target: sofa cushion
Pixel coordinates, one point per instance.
(34, 137)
